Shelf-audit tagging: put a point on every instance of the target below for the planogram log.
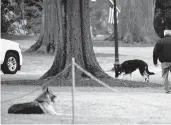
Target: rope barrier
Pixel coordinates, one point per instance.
(45, 84)
(94, 78)
(74, 64)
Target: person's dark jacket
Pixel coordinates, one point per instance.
(162, 50)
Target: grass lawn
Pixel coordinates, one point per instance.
(93, 105)
(143, 104)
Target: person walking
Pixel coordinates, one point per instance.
(162, 51)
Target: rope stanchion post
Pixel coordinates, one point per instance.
(73, 90)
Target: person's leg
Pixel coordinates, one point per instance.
(165, 74)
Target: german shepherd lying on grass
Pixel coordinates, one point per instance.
(41, 105)
(129, 66)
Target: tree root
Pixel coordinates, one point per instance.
(35, 46)
(66, 74)
(42, 50)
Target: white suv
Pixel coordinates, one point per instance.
(10, 56)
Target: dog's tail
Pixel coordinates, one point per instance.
(148, 72)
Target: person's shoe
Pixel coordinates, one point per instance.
(168, 91)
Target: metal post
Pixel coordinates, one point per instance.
(73, 90)
(116, 36)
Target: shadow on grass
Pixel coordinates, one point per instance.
(102, 43)
(18, 37)
(86, 83)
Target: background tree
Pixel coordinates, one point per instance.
(99, 17)
(48, 28)
(4, 21)
(136, 21)
(12, 16)
(33, 14)
(162, 18)
(140, 21)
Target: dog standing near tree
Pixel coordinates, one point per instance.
(129, 66)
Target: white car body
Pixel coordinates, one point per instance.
(8, 45)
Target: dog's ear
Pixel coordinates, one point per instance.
(116, 67)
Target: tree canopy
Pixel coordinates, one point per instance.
(13, 12)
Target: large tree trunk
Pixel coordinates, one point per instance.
(73, 40)
(46, 41)
(136, 21)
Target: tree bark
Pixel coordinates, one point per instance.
(136, 21)
(73, 40)
(45, 42)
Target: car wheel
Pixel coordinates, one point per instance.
(11, 64)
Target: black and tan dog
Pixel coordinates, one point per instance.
(41, 105)
(129, 66)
